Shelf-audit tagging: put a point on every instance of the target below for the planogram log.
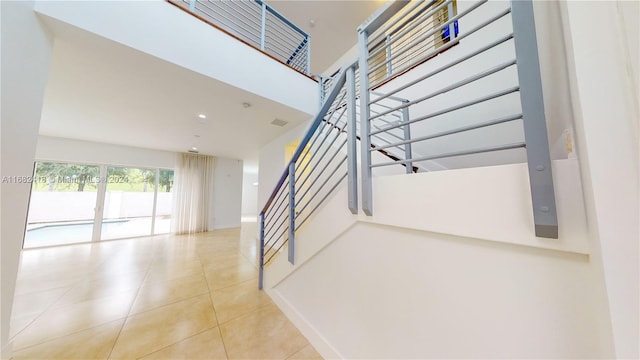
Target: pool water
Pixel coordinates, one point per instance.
(66, 233)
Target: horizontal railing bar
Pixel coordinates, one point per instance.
(243, 14)
(454, 86)
(319, 160)
(454, 154)
(278, 249)
(284, 19)
(282, 192)
(396, 98)
(271, 224)
(323, 184)
(320, 173)
(322, 200)
(284, 221)
(339, 83)
(231, 21)
(454, 131)
(451, 44)
(383, 15)
(428, 35)
(417, 19)
(453, 108)
(275, 31)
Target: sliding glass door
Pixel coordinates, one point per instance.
(74, 203)
(62, 205)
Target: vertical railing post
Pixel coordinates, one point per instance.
(192, 5)
(261, 263)
(535, 127)
(388, 51)
(308, 54)
(452, 26)
(263, 27)
(292, 210)
(352, 161)
(365, 140)
(321, 87)
(407, 136)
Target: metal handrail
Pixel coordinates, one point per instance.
(257, 24)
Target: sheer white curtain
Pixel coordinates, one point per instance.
(193, 186)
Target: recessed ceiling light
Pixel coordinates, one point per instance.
(255, 184)
(193, 148)
(202, 116)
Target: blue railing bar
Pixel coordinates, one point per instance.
(261, 263)
(308, 54)
(454, 86)
(322, 200)
(390, 127)
(320, 173)
(407, 136)
(352, 164)
(252, 8)
(366, 185)
(318, 133)
(292, 211)
(382, 16)
(427, 35)
(273, 235)
(396, 98)
(263, 30)
(419, 20)
(381, 32)
(455, 153)
(312, 128)
(379, 147)
(457, 130)
(240, 13)
(458, 61)
(192, 5)
(297, 50)
(317, 162)
(456, 107)
(284, 19)
(281, 192)
(277, 28)
(535, 126)
(231, 23)
(272, 223)
(275, 51)
(279, 248)
(326, 180)
(273, 34)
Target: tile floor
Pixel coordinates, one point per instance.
(163, 297)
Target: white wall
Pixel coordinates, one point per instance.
(70, 150)
(162, 30)
(26, 56)
(604, 89)
(249, 193)
(450, 271)
(227, 194)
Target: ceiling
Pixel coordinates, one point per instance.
(102, 91)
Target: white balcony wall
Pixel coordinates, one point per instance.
(164, 31)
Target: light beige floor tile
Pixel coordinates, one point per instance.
(57, 322)
(94, 343)
(36, 303)
(156, 294)
(98, 289)
(156, 329)
(307, 353)
(262, 334)
(224, 260)
(206, 345)
(237, 300)
(172, 271)
(19, 323)
(230, 275)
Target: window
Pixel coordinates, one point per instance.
(74, 203)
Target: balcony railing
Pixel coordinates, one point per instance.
(256, 23)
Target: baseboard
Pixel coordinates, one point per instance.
(316, 340)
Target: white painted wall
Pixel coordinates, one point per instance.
(249, 193)
(162, 30)
(88, 152)
(26, 56)
(226, 202)
(450, 271)
(604, 89)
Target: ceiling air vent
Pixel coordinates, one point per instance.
(278, 122)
